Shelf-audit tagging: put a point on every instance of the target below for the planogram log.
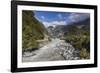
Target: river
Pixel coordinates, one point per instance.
(55, 50)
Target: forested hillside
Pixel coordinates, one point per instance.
(78, 35)
(32, 30)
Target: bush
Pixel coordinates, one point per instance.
(84, 54)
(80, 42)
(32, 30)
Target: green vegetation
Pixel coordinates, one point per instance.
(80, 39)
(32, 30)
(76, 35)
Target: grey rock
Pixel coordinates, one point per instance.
(55, 50)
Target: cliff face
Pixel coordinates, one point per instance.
(32, 30)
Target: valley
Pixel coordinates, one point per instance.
(62, 42)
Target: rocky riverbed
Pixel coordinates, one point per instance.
(55, 50)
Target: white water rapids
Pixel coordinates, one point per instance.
(55, 50)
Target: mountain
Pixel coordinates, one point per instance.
(85, 24)
(32, 30)
(73, 28)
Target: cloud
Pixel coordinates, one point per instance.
(54, 23)
(42, 17)
(74, 17)
(60, 16)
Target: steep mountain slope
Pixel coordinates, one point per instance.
(73, 28)
(32, 30)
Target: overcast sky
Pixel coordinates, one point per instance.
(59, 18)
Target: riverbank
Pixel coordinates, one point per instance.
(55, 50)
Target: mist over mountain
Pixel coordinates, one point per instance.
(71, 28)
